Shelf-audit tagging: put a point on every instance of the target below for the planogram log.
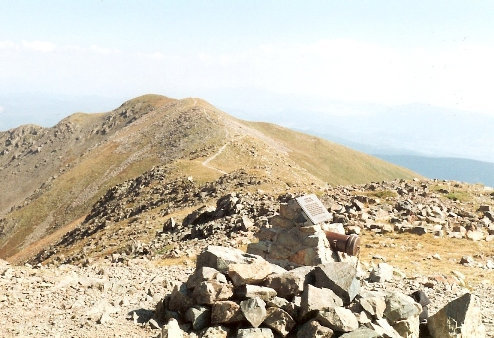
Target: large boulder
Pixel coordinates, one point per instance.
(341, 277)
(400, 306)
(205, 274)
(252, 272)
(459, 318)
(290, 283)
(314, 299)
(403, 313)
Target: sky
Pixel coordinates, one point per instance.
(248, 56)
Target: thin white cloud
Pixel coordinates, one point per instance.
(153, 55)
(103, 50)
(459, 76)
(39, 46)
(2, 109)
(7, 45)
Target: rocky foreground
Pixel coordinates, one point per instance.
(131, 269)
(132, 299)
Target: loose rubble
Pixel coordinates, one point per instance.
(290, 283)
(319, 302)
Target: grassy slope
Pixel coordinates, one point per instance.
(332, 162)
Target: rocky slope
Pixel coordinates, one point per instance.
(52, 176)
(141, 239)
(157, 218)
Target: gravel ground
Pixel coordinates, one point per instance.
(95, 301)
(440, 293)
(117, 300)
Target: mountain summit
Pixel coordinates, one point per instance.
(51, 177)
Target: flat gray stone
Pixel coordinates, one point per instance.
(252, 291)
(220, 258)
(362, 332)
(255, 333)
(341, 277)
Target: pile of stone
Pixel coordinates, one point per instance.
(235, 294)
(293, 237)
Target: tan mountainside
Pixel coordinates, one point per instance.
(51, 177)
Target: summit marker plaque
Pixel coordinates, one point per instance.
(313, 208)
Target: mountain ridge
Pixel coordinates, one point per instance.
(54, 175)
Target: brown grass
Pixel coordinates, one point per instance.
(332, 162)
(34, 248)
(412, 254)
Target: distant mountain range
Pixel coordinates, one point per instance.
(458, 169)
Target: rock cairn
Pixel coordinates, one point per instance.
(236, 294)
(292, 237)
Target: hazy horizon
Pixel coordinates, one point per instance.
(343, 66)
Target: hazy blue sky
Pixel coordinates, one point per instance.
(385, 52)
(255, 58)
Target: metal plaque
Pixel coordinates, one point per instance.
(313, 208)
